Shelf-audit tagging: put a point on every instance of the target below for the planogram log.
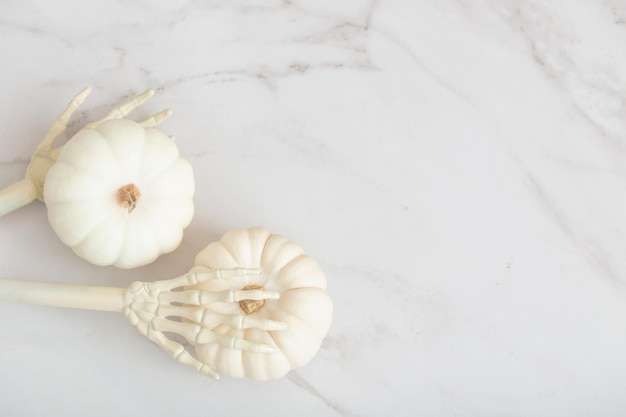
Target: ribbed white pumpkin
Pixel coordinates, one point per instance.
(82, 190)
(304, 303)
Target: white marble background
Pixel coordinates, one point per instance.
(458, 167)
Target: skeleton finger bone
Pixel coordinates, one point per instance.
(60, 123)
(121, 111)
(204, 298)
(233, 342)
(156, 118)
(178, 352)
(199, 276)
(237, 321)
(208, 318)
(196, 333)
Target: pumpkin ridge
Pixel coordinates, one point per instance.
(170, 217)
(84, 143)
(235, 258)
(285, 310)
(251, 358)
(96, 224)
(280, 347)
(84, 172)
(155, 175)
(105, 222)
(135, 164)
(210, 264)
(150, 143)
(120, 249)
(138, 231)
(163, 172)
(294, 260)
(265, 248)
(80, 199)
(99, 223)
(233, 251)
(276, 277)
(283, 248)
(304, 322)
(221, 354)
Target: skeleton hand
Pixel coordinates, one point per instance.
(154, 308)
(30, 188)
(45, 155)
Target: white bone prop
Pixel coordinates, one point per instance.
(158, 307)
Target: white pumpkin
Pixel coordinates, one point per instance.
(304, 303)
(120, 194)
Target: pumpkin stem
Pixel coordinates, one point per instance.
(127, 196)
(252, 306)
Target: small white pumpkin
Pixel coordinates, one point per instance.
(119, 194)
(304, 303)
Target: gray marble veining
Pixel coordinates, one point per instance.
(457, 167)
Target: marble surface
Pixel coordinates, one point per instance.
(458, 167)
